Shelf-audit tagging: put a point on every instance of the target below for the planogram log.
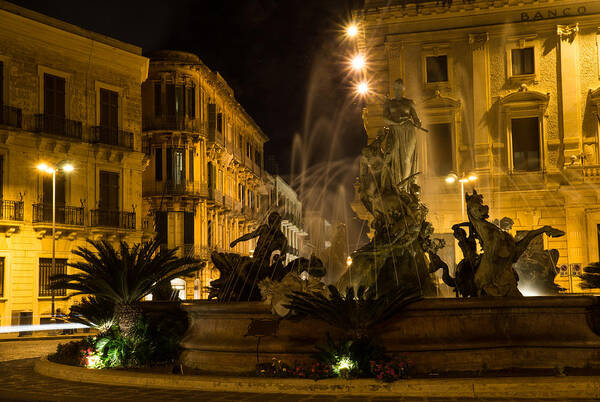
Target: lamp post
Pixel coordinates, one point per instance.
(67, 168)
(452, 178)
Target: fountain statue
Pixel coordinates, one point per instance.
(396, 254)
(240, 276)
(490, 273)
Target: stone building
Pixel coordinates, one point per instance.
(285, 201)
(204, 179)
(66, 94)
(510, 93)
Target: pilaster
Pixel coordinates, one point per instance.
(570, 124)
(481, 100)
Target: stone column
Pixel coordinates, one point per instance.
(569, 106)
(481, 101)
(576, 234)
(393, 53)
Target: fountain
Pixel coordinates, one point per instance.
(491, 327)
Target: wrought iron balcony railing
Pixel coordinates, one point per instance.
(169, 187)
(112, 218)
(58, 125)
(11, 210)
(10, 116)
(173, 122)
(112, 136)
(66, 215)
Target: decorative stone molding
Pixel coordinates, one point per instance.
(478, 40)
(567, 32)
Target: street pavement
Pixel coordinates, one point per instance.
(19, 382)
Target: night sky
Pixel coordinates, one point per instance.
(285, 60)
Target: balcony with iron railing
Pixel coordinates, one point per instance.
(10, 116)
(111, 136)
(173, 122)
(215, 196)
(169, 187)
(65, 215)
(112, 219)
(11, 210)
(58, 125)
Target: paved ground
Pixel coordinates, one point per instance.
(18, 382)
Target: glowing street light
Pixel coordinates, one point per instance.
(67, 168)
(358, 62)
(453, 178)
(362, 88)
(349, 261)
(351, 30)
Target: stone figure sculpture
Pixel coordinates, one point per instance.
(495, 275)
(396, 254)
(400, 142)
(240, 275)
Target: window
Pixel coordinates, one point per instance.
(191, 102)
(46, 273)
(1, 84)
(437, 68)
(523, 61)
(180, 100)
(191, 163)
(209, 233)
(170, 93)
(158, 169)
(1, 176)
(157, 99)
(220, 122)
(188, 228)
(109, 116)
(54, 96)
(240, 143)
(60, 197)
(109, 191)
(176, 165)
(440, 149)
(1, 276)
(161, 225)
(526, 144)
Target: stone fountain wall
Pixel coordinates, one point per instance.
(438, 334)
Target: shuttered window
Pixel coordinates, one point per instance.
(109, 109)
(191, 163)
(54, 95)
(188, 228)
(157, 99)
(109, 191)
(158, 168)
(1, 276)
(191, 102)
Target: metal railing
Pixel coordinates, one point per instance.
(64, 214)
(111, 136)
(11, 210)
(173, 122)
(216, 196)
(58, 125)
(112, 218)
(171, 188)
(10, 116)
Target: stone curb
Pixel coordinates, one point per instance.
(565, 388)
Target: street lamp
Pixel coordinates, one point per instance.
(351, 30)
(67, 168)
(358, 62)
(362, 88)
(453, 178)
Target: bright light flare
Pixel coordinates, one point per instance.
(472, 178)
(362, 88)
(45, 327)
(352, 30)
(358, 62)
(67, 167)
(450, 179)
(349, 261)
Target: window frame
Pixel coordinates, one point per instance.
(58, 73)
(524, 115)
(522, 42)
(42, 293)
(523, 104)
(98, 86)
(435, 50)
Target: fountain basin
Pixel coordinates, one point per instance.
(438, 334)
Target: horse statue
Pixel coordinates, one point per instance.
(494, 275)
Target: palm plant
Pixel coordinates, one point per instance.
(94, 312)
(590, 279)
(356, 314)
(125, 276)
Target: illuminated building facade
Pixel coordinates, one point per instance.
(510, 94)
(204, 179)
(66, 94)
